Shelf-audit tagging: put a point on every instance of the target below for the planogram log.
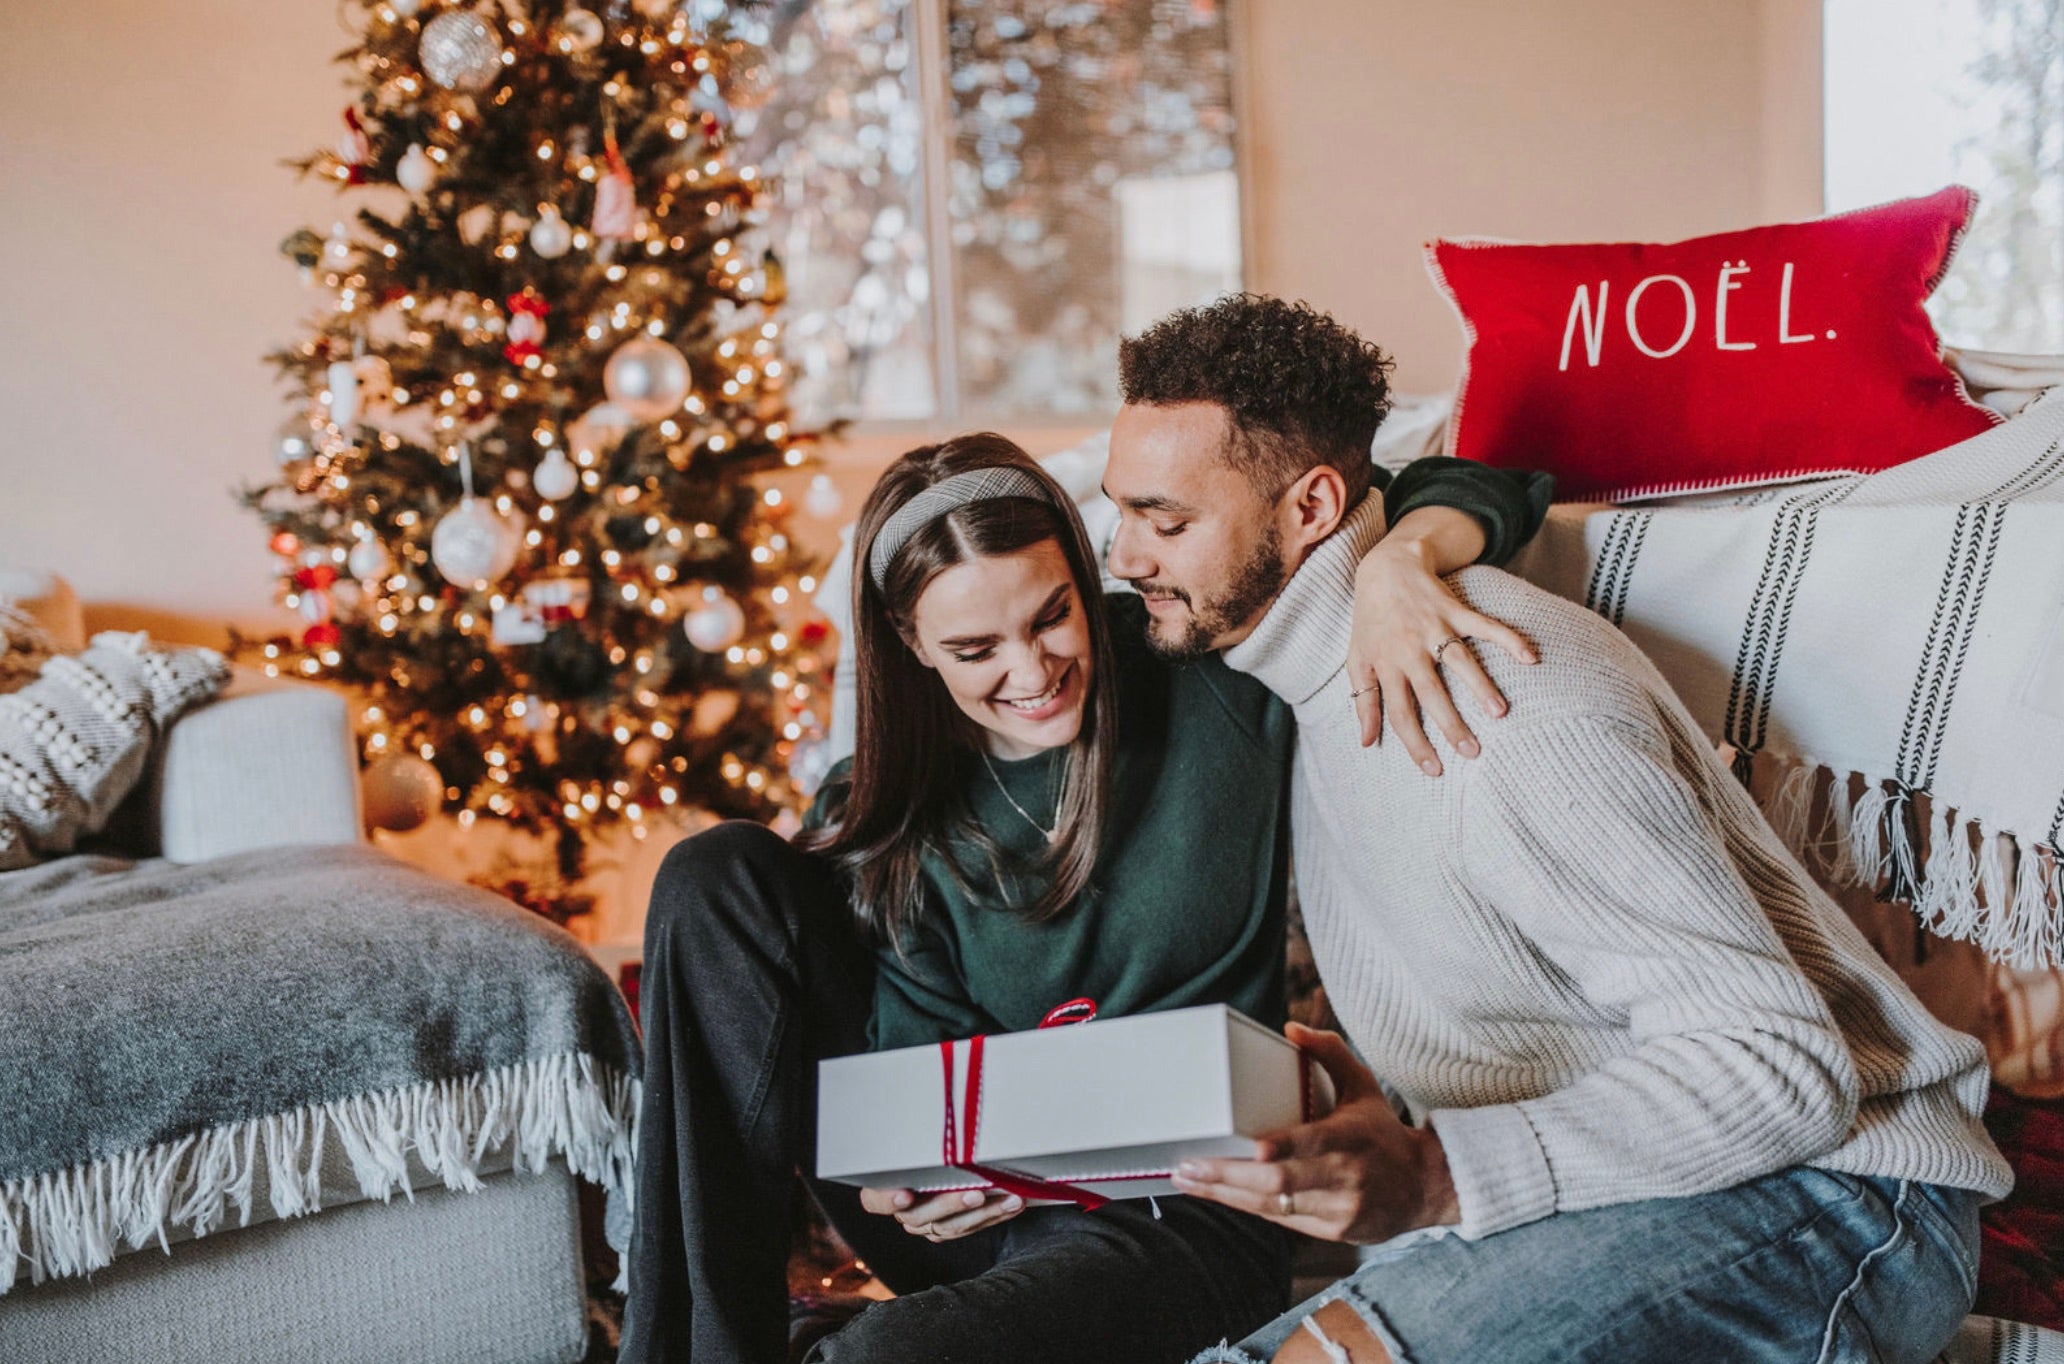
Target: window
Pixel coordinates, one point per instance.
(1923, 93)
(978, 197)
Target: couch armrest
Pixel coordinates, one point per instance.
(261, 767)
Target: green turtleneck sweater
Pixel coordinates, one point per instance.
(1187, 903)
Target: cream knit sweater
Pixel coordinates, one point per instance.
(1584, 957)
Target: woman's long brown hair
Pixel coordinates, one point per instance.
(915, 752)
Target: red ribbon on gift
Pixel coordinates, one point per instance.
(960, 1155)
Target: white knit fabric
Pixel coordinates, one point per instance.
(1584, 957)
(74, 741)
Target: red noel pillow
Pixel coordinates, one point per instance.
(1632, 369)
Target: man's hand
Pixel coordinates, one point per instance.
(1403, 613)
(946, 1216)
(1357, 1174)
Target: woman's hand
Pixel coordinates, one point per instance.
(946, 1216)
(1403, 613)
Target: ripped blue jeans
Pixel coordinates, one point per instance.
(1800, 1266)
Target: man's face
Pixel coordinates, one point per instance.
(1196, 539)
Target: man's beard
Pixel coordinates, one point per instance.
(1253, 587)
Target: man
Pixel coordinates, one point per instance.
(1668, 1103)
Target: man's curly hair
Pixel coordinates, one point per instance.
(1301, 389)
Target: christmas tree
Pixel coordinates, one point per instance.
(523, 501)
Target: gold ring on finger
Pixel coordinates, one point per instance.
(1442, 647)
(1286, 1204)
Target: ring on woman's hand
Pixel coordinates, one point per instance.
(1363, 691)
(1286, 1205)
(1441, 648)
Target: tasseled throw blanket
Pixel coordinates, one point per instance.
(1889, 650)
(178, 1042)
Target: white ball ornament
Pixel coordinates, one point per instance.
(555, 477)
(647, 378)
(405, 8)
(294, 443)
(717, 624)
(823, 500)
(460, 51)
(474, 544)
(550, 237)
(368, 559)
(401, 792)
(578, 30)
(415, 171)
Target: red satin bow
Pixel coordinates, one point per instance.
(961, 1155)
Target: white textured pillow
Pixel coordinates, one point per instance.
(74, 741)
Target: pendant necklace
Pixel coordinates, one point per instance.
(1051, 834)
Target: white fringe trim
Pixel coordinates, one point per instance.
(1970, 883)
(70, 1222)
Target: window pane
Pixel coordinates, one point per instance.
(845, 135)
(1092, 188)
(1923, 93)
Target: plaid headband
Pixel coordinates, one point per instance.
(979, 485)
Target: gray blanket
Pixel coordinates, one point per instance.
(172, 1037)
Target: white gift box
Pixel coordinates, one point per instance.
(1105, 1108)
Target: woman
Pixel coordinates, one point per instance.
(1038, 809)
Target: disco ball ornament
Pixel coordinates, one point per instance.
(368, 559)
(460, 51)
(717, 624)
(647, 378)
(474, 544)
(401, 792)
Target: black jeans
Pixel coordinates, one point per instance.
(753, 971)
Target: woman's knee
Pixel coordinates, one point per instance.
(715, 880)
(1342, 1338)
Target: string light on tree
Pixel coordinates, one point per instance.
(528, 280)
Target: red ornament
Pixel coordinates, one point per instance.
(813, 633)
(286, 544)
(354, 149)
(526, 326)
(321, 635)
(616, 197)
(318, 578)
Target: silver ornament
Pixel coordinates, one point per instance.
(294, 443)
(415, 171)
(555, 477)
(405, 8)
(474, 544)
(717, 624)
(401, 792)
(550, 237)
(647, 377)
(368, 559)
(460, 51)
(578, 30)
(343, 382)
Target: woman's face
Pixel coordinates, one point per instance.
(1007, 637)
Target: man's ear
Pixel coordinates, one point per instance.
(1313, 508)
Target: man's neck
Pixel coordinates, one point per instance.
(1299, 640)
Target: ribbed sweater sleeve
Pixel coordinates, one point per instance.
(1584, 833)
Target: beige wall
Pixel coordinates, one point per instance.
(141, 202)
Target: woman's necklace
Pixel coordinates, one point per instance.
(1051, 834)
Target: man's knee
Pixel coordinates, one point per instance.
(1350, 1336)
